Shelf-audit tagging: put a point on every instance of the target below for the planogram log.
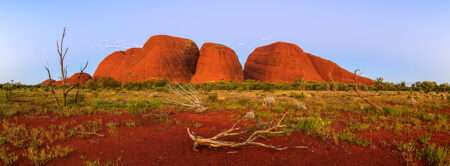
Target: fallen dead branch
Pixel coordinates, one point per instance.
(187, 97)
(361, 96)
(250, 141)
(90, 133)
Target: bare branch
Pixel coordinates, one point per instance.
(357, 74)
(51, 86)
(214, 142)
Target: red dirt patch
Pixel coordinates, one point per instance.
(153, 143)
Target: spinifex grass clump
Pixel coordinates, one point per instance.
(314, 125)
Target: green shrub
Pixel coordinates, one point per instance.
(315, 125)
(213, 97)
(437, 155)
(352, 138)
(91, 84)
(425, 138)
(108, 83)
(427, 117)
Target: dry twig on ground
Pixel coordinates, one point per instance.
(250, 141)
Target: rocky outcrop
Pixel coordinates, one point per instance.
(217, 62)
(74, 79)
(46, 82)
(330, 71)
(286, 62)
(179, 60)
(161, 57)
(280, 62)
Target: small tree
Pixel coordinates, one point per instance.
(62, 55)
(8, 87)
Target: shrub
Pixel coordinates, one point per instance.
(108, 83)
(437, 155)
(91, 84)
(213, 97)
(315, 125)
(352, 138)
(425, 138)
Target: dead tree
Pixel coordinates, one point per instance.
(250, 141)
(51, 86)
(359, 94)
(65, 90)
(189, 97)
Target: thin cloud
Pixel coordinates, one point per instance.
(116, 45)
(265, 38)
(242, 44)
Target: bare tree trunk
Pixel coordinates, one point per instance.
(361, 96)
(51, 87)
(62, 55)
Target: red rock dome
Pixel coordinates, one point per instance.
(78, 78)
(280, 62)
(71, 80)
(162, 56)
(330, 71)
(217, 62)
(286, 62)
(46, 82)
(118, 64)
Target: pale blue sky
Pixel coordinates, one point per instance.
(397, 40)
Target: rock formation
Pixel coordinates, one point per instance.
(46, 82)
(179, 60)
(217, 62)
(71, 80)
(286, 62)
(330, 71)
(280, 62)
(161, 57)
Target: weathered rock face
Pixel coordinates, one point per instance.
(78, 78)
(217, 62)
(118, 64)
(285, 62)
(83, 78)
(330, 71)
(161, 57)
(46, 82)
(280, 62)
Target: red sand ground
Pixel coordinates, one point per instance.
(153, 143)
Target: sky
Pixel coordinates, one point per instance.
(401, 40)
